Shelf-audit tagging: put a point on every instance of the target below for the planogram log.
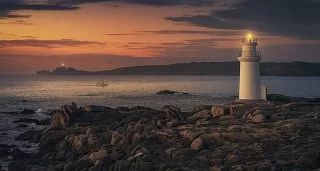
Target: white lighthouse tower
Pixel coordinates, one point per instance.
(250, 89)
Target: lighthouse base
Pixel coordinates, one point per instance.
(258, 101)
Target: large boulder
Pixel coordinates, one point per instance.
(217, 111)
(238, 110)
(198, 144)
(258, 118)
(103, 114)
(30, 135)
(66, 116)
(98, 155)
(96, 109)
(50, 138)
(204, 141)
(200, 108)
(204, 114)
(172, 112)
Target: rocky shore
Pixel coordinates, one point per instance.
(283, 134)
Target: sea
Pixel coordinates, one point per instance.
(44, 93)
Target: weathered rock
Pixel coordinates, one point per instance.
(31, 136)
(82, 164)
(97, 109)
(115, 137)
(204, 114)
(148, 139)
(51, 138)
(170, 92)
(258, 118)
(16, 166)
(96, 168)
(99, 155)
(67, 116)
(174, 123)
(198, 144)
(69, 166)
(172, 112)
(121, 165)
(26, 120)
(200, 108)
(124, 109)
(238, 110)
(217, 111)
(128, 119)
(17, 154)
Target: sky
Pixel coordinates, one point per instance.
(43, 34)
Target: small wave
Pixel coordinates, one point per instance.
(40, 111)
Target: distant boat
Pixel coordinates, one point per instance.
(105, 81)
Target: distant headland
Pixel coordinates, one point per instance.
(202, 68)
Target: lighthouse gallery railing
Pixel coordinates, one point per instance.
(253, 54)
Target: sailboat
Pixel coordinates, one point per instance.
(105, 81)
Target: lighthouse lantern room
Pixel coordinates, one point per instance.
(250, 89)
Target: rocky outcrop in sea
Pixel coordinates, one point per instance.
(283, 134)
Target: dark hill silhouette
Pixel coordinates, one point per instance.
(202, 68)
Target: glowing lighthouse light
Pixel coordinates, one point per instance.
(249, 36)
(250, 89)
(63, 64)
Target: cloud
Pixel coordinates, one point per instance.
(45, 43)
(18, 22)
(25, 6)
(8, 35)
(293, 18)
(6, 7)
(196, 32)
(123, 34)
(194, 3)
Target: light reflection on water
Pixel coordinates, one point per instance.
(54, 91)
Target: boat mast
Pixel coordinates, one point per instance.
(108, 70)
(105, 71)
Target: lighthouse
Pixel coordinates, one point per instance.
(250, 89)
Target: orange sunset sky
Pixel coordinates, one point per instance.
(42, 34)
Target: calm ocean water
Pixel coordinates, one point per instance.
(43, 93)
(50, 92)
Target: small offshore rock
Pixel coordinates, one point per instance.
(170, 92)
